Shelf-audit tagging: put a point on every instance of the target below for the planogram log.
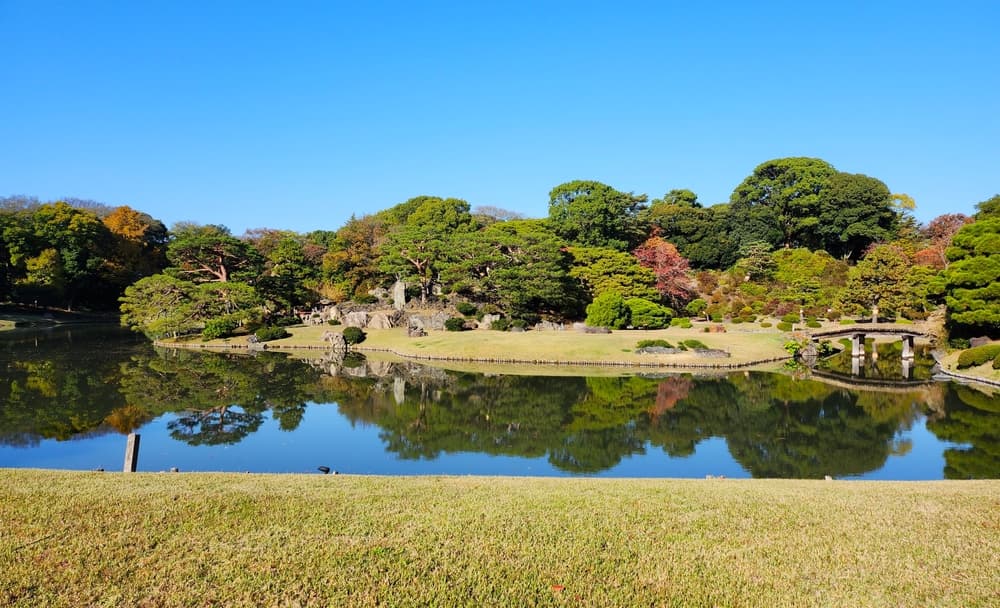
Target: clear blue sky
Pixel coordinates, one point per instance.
(298, 114)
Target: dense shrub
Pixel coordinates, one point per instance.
(847, 321)
(455, 324)
(696, 307)
(717, 317)
(657, 342)
(608, 310)
(783, 326)
(286, 321)
(222, 327)
(500, 325)
(364, 298)
(466, 308)
(682, 322)
(790, 318)
(334, 321)
(519, 323)
(765, 324)
(695, 344)
(959, 343)
(648, 315)
(266, 334)
(737, 320)
(978, 355)
(996, 362)
(833, 315)
(814, 324)
(354, 335)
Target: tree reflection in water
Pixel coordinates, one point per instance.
(775, 425)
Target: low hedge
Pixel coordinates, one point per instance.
(978, 355)
(266, 334)
(455, 324)
(649, 343)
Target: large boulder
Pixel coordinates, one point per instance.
(336, 340)
(381, 320)
(488, 320)
(357, 318)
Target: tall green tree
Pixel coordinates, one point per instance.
(82, 242)
(592, 214)
(210, 253)
(601, 270)
(350, 266)
(519, 265)
(779, 203)
(701, 234)
(971, 283)
(854, 212)
(415, 250)
(879, 284)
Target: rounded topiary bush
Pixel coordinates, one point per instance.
(695, 344)
(790, 318)
(219, 328)
(466, 308)
(765, 324)
(354, 335)
(266, 334)
(334, 321)
(978, 355)
(455, 324)
(657, 342)
(648, 315)
(286, 321)
(784, 326)
(814, 324)
(608, 310)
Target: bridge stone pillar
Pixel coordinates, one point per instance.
(858, 345)
(907, 368)
(856, 365)
(907, 347)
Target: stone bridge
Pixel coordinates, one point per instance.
(858, 333)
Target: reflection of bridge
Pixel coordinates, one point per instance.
(858, 333)
(870, 384)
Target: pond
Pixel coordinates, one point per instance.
(69, 397)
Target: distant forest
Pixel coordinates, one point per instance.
(796, 237)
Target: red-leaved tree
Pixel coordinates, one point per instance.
(670, 269)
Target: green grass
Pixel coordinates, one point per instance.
(86, 539)
(554, 347)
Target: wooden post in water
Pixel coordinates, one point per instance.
(131, 453)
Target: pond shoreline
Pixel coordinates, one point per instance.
(496, 360)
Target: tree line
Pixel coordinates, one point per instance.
(796, 237)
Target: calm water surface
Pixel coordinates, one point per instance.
(70, 396)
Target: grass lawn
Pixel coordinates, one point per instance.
(159, 539)
(555, 347)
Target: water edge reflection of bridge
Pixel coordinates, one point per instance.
(858, 334)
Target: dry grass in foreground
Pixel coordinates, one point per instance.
(86, 539)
